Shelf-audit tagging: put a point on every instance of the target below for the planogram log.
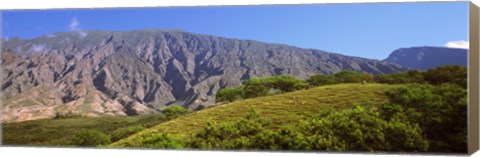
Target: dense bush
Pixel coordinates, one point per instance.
(125, 132)
(174, 111)
(413, 76)
(161, 140)
(447, 74)
(234, 135)
(357, 129)
(286, 83)
(320, 79)
(361, 129)
(435, 76)
(350, 76)
(91, 138)
(256, 87)
(286, 138)
(229, 94)
(440, 112)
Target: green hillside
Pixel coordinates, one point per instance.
(281, 109)
(61, 132)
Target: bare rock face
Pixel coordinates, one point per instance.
(141, 72)
(424, 58)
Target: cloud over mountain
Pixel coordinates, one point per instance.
(457, 44)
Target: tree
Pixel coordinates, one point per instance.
(174, 111)
(285, 83)
(161, 140)
(413, 76)
(361, 129)
(233, 135)
(229, 94)
(256, 87)
(447, 74)
(350, 76)
(320, 79)
(125, 132)
(439, 111)
(91, 138)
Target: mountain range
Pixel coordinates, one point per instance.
(427, 57)
(95, 73)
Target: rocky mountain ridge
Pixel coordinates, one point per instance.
(427, 57)
(95, 73)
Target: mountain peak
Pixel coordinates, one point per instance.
(427, 57)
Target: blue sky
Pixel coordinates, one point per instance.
(366, 30)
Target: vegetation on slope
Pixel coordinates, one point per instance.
(417, 118)
(83, 131)
(282, 109)
(430, 116)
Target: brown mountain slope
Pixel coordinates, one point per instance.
(140, 72)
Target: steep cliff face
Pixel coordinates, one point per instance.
(424, 58)
(141, 72)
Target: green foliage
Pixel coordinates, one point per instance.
(229, 94)
(162, 140)
(257, 87)
(234, 135)
(125, 132)
(439, 111)
(350, 76)
(413, 76)
(360, 129)
(287, 138)
(357, 129)
(282, 109)
(403, 136)
(447, 74)
(91, 138)
(286, 83)
(39, 132)
(320, 79)
(174, 111)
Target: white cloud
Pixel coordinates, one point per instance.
(457, 44)
(75, 26)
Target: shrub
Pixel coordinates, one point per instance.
(287, 138)
(447, 74)
(174, 111)
(125, 132)
(439, 111)
(413, 76)
(91, 138)
(285, 83)
(161, 140)
(361, 129)
(229, 94)
(320, 79)
(350, 76)
(234, 135)
(256, 87)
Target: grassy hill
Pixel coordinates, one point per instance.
(61, 132)
(281, 109)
